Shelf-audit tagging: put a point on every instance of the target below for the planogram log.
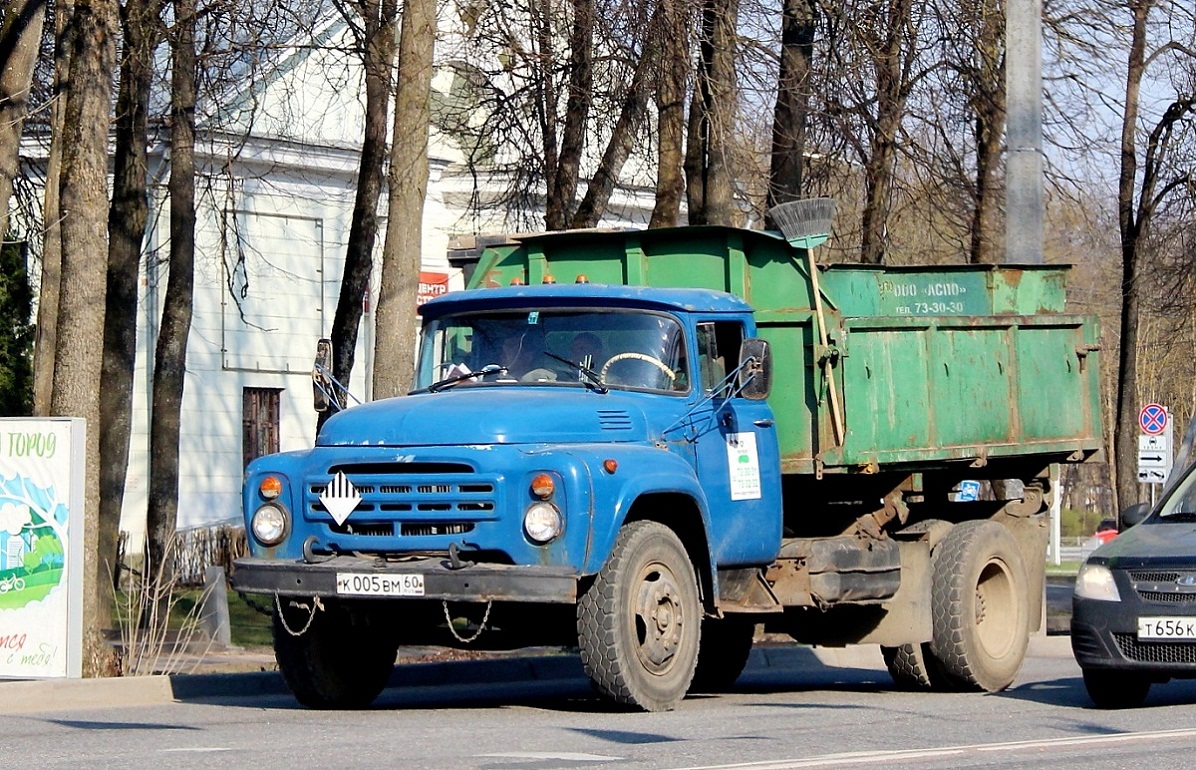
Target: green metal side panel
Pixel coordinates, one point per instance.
(886, 392)
(969, 367)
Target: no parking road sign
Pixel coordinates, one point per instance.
(1152, 419)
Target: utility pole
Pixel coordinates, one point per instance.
(1023, 167)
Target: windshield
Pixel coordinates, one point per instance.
(1181, 503)
(616, 349)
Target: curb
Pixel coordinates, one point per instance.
(28, 696)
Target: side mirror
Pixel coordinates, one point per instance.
(1134, 514)
(321, 376)
(755, 369)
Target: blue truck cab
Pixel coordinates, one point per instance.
(563, 442)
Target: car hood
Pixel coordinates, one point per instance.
(1151, 543)
(489, 415)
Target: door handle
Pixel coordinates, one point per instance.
(763, 423)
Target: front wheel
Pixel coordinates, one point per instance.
(335, 657)
(638, 624)
(979, 606)
(1116, 689)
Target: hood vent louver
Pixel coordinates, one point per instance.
(614, 419)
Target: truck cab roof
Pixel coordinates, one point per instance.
(586, 294)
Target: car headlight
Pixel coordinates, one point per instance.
(543, 523)
(1095, 581)
(270, 524)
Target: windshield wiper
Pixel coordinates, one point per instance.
(591, 378)
(436, 386)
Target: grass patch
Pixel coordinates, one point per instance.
(247, 626)
(1066, 568)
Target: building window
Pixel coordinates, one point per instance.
(260, 420)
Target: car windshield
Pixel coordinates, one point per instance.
(596, 349)
(1181, 503)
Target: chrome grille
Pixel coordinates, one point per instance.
(431, 499)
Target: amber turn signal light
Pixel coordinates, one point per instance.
(543, 486)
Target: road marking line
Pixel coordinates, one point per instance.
(860, 757)
(574, 757)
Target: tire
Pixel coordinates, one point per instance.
(914, 668)
(638, 624)
(342, 661)
(725, 646)
(1116, 689)
(978, 606)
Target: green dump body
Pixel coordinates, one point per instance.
(930, 364)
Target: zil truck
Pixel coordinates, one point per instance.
(652, 445)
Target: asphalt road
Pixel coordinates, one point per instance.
(792, 709)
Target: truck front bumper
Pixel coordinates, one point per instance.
(439, 579)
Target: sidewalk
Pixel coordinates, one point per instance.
(242, 673)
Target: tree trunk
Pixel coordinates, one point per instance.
(618, 149)
(170, 357)
(577, 112)
(891, 94)
(670, 105)
(798, 25)
(45, 337)
(20, 39)
(394, 351)
(1131, 226)
(379, 19)
(543, 72)
(696, 128)
(91, 33)
(127, 218)
(712, 126)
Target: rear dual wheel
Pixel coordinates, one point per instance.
(979, 614)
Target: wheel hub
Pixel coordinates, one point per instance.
(660, 619)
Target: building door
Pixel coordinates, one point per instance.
(260, 422)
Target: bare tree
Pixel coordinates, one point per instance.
(798, 26)
(562, 180)
(711, 120)
(622, 138)
(91, 34)
(128, 215)
(170, 360)
(376, 40)
(20, 41)
(394, 350)
(45, 341)
(1145, 183)
(670, 112)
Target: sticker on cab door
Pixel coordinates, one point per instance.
(744, 466)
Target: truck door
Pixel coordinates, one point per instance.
(737, 454)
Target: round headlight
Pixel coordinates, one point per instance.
(269, 524)
(543, 523)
